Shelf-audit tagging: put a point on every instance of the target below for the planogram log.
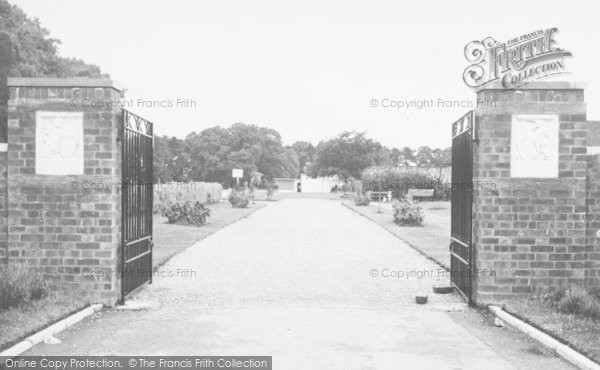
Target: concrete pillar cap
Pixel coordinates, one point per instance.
(538, 85)
(63, 82)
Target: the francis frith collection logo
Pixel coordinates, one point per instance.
(514, 63)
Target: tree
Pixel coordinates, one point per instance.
(407, 157)
(347, 155)
(395, 159)
(171, 160)
(72, 67)
(211, 154)
(27, 50)
(208, 153)
(179, 161)
(215, 151)
(291, 164)
(305, 152)
(441, 158)
(424, 157)
(162, 158)
(33, 52)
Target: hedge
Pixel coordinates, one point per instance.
(167, 194)
(398, 181)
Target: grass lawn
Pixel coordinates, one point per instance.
(432, 239)
(578, 332)
(19, 322)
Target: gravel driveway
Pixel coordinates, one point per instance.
(307, 281)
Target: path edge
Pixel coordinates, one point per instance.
(432, 259)
(53, 329)
(236, 220)
(565, 352)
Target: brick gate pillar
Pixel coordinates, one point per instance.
(63, 182)
(531, 205)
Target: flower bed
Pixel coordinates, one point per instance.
(168, 194)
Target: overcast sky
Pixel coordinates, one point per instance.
(308, 69)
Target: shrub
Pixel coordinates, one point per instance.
(592, 308)
(578, 300)
(595, 291)
(20, 284)
(239, 199)
(362, 199)
(187, 213)
(168, 194)
(406, 212)
(574, 299)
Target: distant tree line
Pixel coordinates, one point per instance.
(27, 50)
(211, 154)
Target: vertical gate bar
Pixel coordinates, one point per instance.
(140, 245)
(129, 190)
(470, 201)
(142, 191)
(148, 184)
(123, 198)
(128, 184)
(149, 194)
(133, 187)
(137, 184)
(139, 221)
(143, 186)
(143, 204)
(136, 169)
(126, 201)
(151, 184)
(130, 193)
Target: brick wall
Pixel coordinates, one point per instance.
(68, 226)
(530, 232)
(3, 208)
(592, 260)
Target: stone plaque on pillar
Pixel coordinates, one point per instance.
(534, 146)
(59, 143)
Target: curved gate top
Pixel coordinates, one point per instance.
(137, 202)
(461, 248)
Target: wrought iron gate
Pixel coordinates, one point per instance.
(461, 248)
(136, 206)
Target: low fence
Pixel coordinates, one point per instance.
(443, 174)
